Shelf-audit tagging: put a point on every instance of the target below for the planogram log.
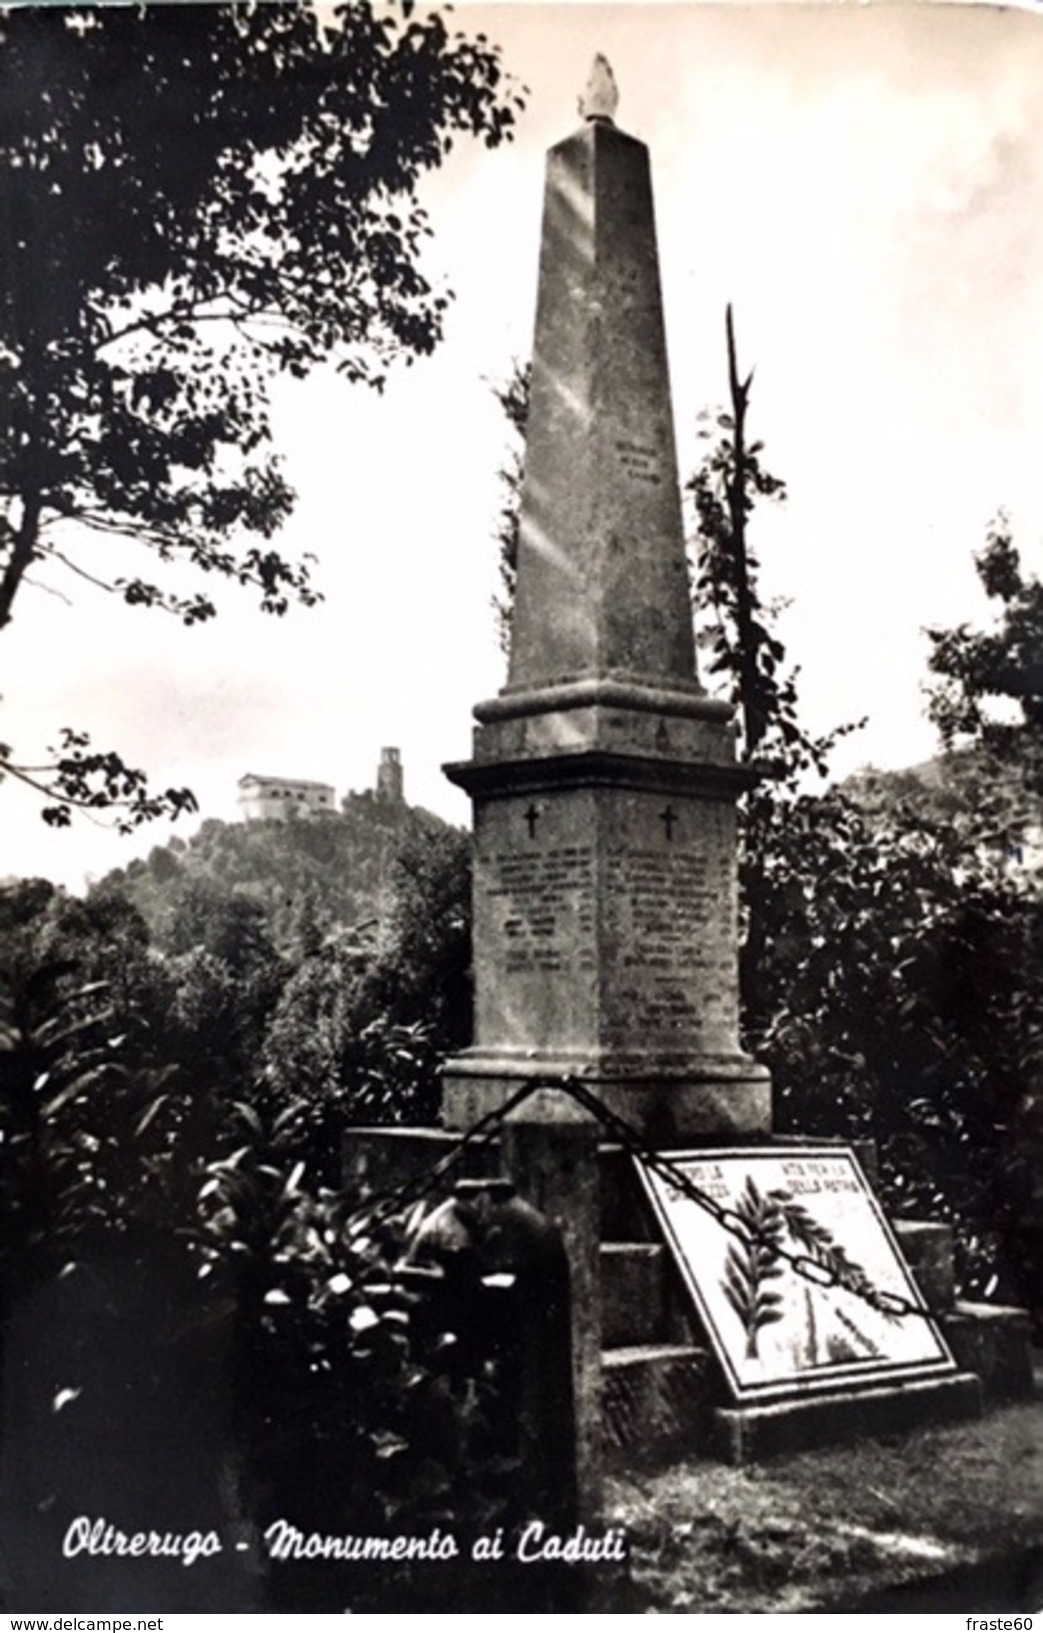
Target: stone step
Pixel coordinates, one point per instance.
(626, 1213)
(656, 1400)
(928, 1251)
(642, 1298)
(995, 1342)
(633, 1294)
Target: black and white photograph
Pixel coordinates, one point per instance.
(521, 808)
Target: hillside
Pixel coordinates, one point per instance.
(995, 800)
(338, 867)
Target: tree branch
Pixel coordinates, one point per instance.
(130, 529)
(119, 787)
(48, 589)
(81, 572)
(739, 391)
(155, 323)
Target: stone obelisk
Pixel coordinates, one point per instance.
(603, 778)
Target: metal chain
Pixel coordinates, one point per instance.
(485, 1129)
(802, 1264)
(387, 1203)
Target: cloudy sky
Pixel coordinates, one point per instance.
(863, 183)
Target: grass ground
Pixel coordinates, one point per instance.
(944, 1518)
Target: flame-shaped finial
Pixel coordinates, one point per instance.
(600, 98)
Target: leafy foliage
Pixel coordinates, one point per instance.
(987, 702)
(196, 199)
(89, 1121)
(113, 1027)
(354, 1063)
(175, 1110)
(333, 955)
(347, 1347)
(980, 670)
(898, 1002)
(738, 631)
(512, 394)
(423, 967)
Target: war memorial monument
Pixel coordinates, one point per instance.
(749, 1296)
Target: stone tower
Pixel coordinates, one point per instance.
(389, 777)
(603, 778)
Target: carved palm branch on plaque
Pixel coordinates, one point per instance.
(751, 1264)
(822, 1247)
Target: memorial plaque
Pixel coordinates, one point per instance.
(776, 1331)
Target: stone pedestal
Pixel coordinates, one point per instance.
(605, 915)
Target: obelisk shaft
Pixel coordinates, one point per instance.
(602, 585)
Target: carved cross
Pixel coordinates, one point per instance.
(532, 816)
(668, 818)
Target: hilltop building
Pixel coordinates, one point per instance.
(278, 799)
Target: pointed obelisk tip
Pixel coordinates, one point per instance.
(600, 98)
